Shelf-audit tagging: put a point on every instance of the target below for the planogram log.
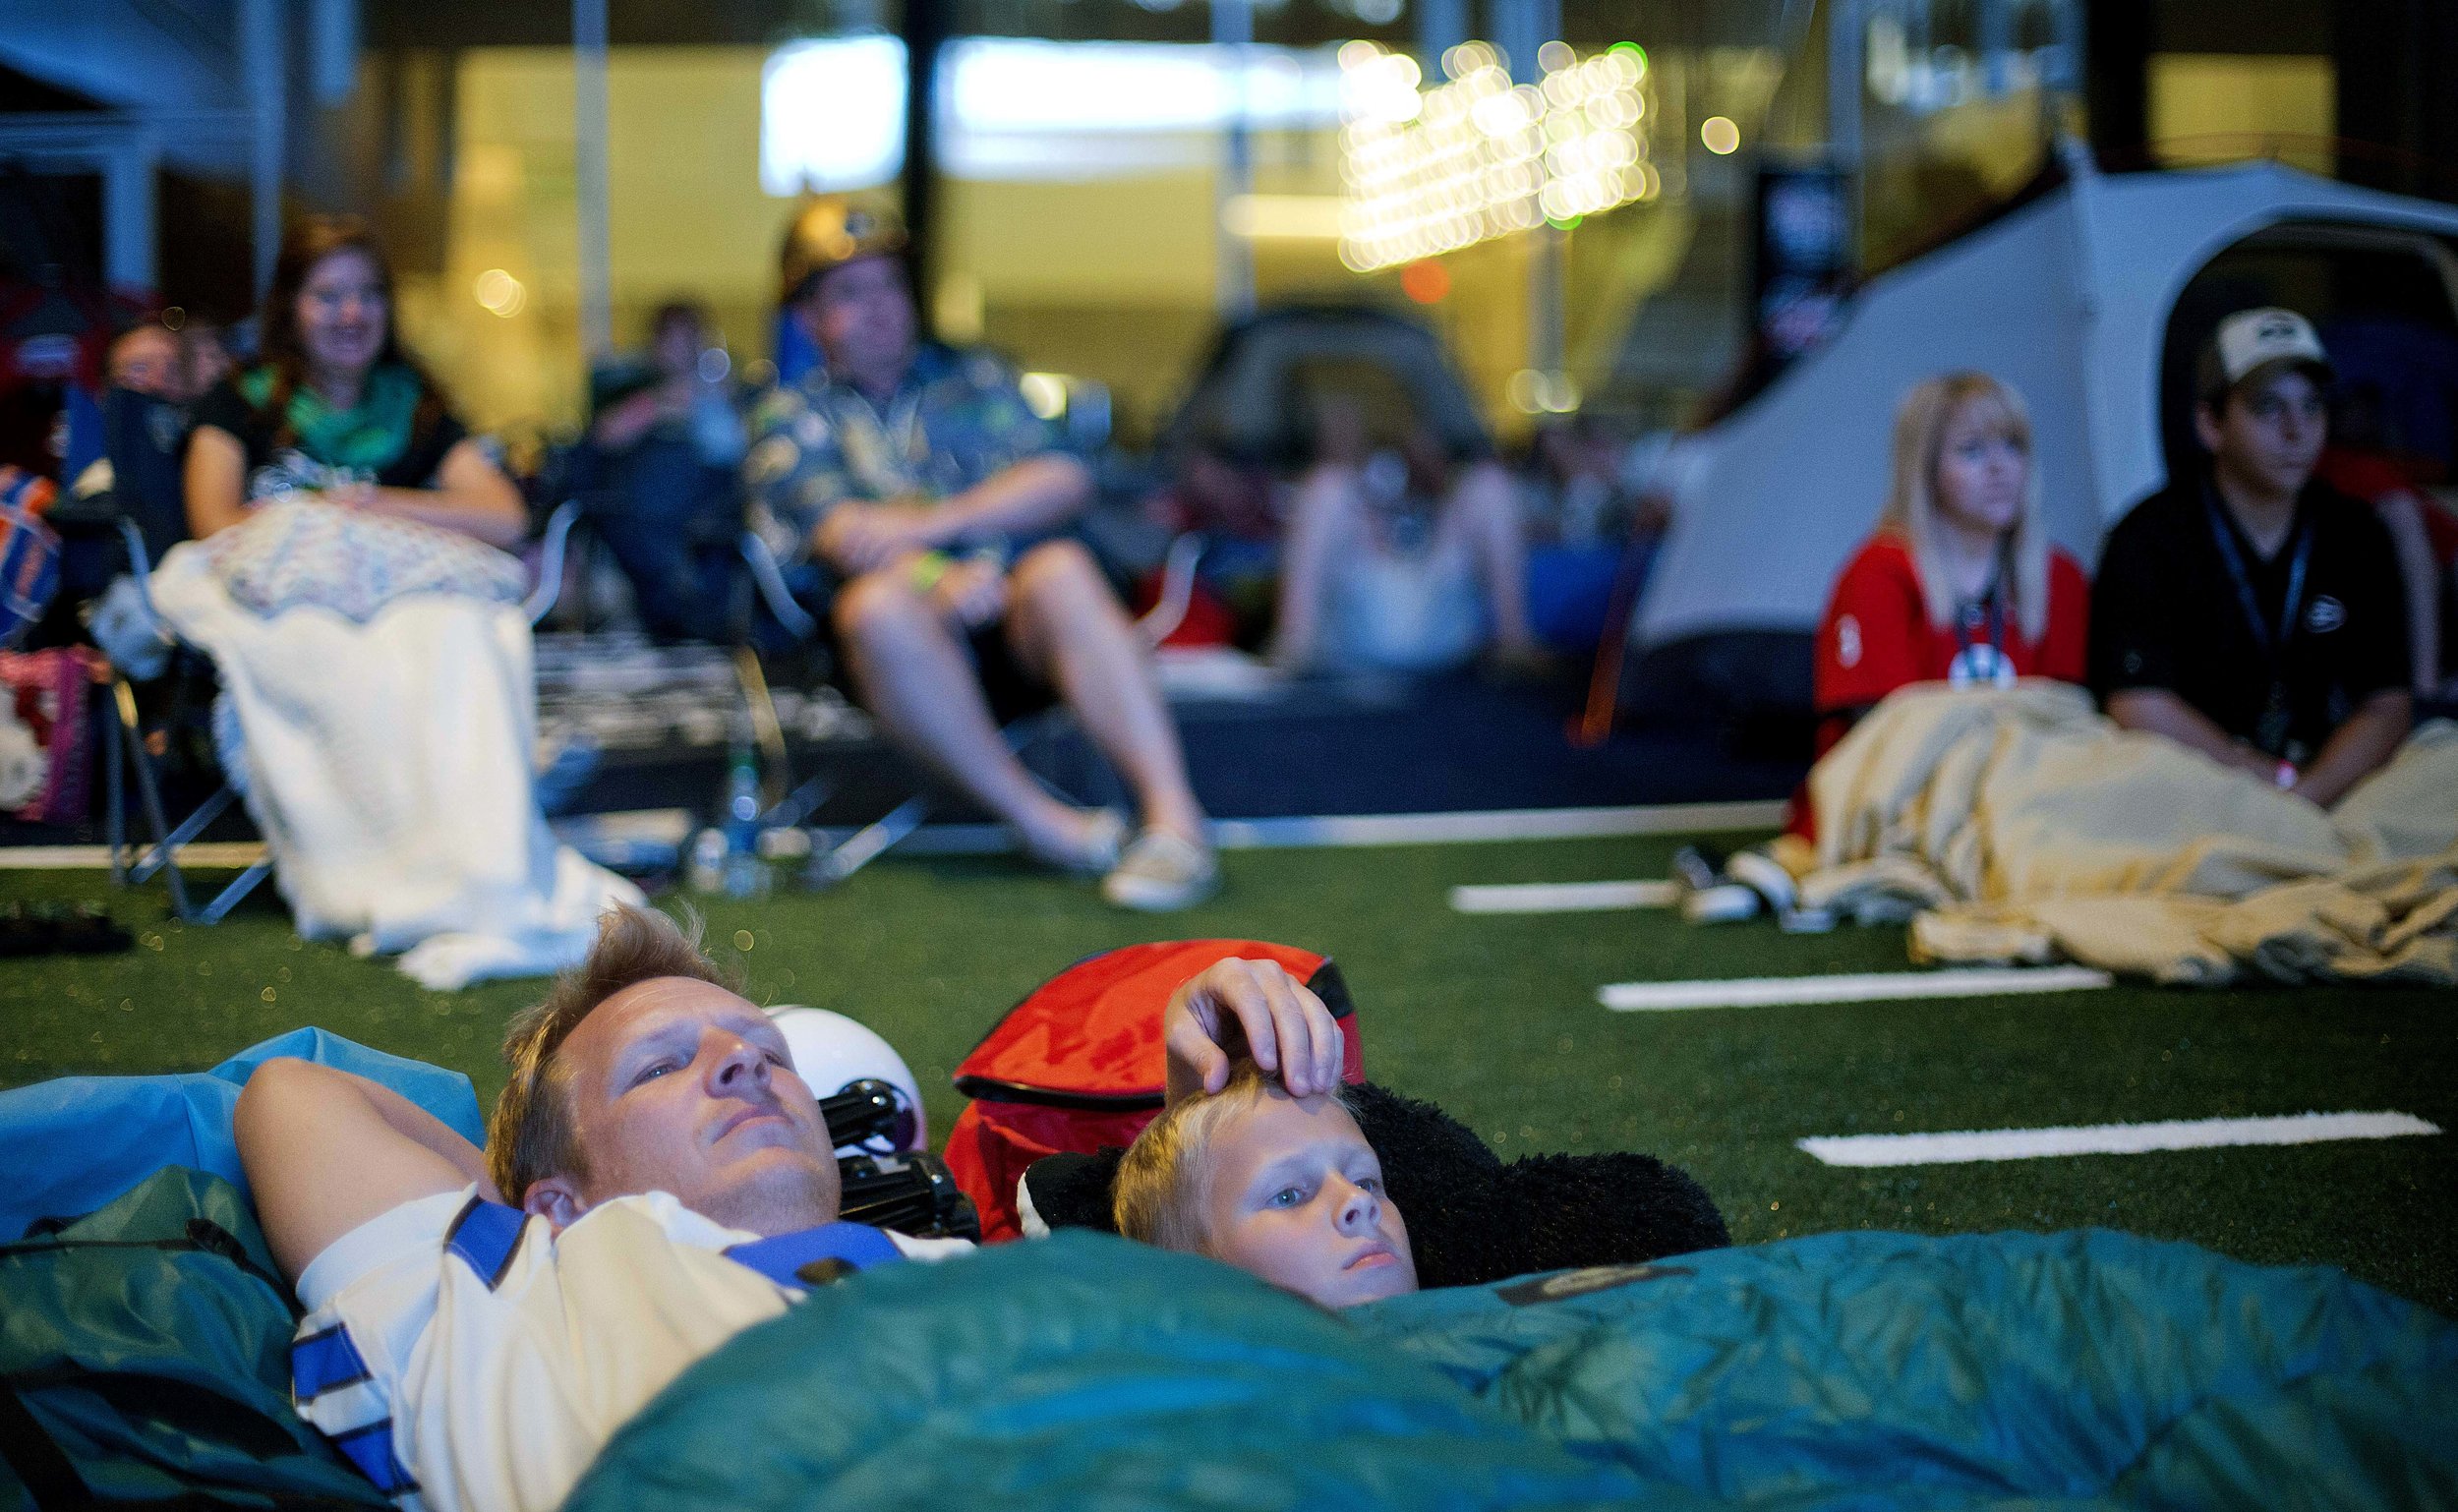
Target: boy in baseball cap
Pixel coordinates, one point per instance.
(2247, 611)
(2250, 342)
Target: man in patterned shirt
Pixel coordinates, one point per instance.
(917, 478)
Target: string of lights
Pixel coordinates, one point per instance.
(1432, 170)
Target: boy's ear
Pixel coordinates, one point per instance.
(557, 1199)
(2207, 424)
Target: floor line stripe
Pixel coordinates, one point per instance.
(212, 854)
(1343, 829)
(1933, 1149)
(1561, 897)
(1876, 987)
(1295, 832)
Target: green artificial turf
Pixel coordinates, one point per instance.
(1495, 1018)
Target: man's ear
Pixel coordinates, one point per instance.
(2207, 426)
(557, 1199)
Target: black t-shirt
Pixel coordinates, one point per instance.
(226, 409)
(2167, 612)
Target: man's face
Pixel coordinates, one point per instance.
(681, 1087)
(2268, 431)
(861, 314)
(147, 361)
(1295, 1197)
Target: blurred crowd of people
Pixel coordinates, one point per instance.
(2273, 609)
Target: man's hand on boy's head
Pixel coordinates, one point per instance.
(1251, 1007)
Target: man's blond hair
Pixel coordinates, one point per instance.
(1158, 1196)
(533, 1135)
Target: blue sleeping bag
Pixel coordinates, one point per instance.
(75, 1143)
(1860, 1370)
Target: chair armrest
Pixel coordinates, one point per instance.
(770, 582)
(1177, 590)
(551, 543)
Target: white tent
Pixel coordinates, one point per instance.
(2068, 298)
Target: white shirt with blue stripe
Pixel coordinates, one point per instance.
(469, 1359)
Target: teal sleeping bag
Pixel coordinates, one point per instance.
(144, 1358)
(1847, 1371)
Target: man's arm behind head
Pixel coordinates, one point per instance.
(325, 1151)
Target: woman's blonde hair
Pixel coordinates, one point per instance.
(1911, 498)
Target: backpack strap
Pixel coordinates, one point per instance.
(199, 1234)
(814, 1257)
(485, 1235)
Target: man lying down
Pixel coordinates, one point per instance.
(657, 1179)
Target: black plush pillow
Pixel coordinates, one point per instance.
(1470, 1218)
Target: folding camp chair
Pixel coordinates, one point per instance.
(866, 844)
(601, 515)
(133, 866)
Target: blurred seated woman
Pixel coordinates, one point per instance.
(347, 577)
(1406, 560)
(337, 410)
(1958, 584)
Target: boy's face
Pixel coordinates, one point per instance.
(2269, 430)
(1295, 1197)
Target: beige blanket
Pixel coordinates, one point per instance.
(2018, 825)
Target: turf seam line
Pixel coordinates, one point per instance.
(1561, 897)
(1342, 831)
(1503, 824)
(1290, 833)
(1969, 1146)
(204, 853)
(1862, 987)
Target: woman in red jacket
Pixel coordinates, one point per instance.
(1958, 585)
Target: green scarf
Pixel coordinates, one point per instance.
(366, 438)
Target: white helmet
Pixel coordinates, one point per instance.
(832, 1051)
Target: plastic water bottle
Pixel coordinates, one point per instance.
(745, 874)
(704, 869)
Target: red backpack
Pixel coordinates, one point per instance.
(1079, 1064)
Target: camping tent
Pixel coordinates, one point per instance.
(1252, 400)
(2067, 298)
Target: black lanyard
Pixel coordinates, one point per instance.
(2272, 641)
(1993, 600)
(1966, 614)
(2270, 730)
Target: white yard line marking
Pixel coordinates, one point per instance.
(1561, 897)
(1339, 831)
(1876, 987)
(673, 824)
(234, 853)
(1936, 1150)
(1297, 832)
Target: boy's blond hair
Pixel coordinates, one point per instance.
(1158, 1195)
